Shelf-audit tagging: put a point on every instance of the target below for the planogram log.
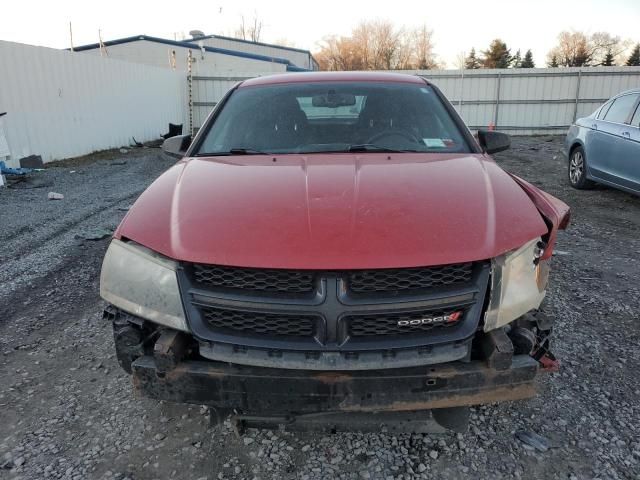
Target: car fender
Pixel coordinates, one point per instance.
(554, 211)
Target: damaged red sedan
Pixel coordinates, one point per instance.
(332, 243)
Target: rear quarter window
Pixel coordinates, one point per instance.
(621, 108)
(635, 121)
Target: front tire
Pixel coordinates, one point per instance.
(577, 170)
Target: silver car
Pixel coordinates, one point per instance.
(605, 146)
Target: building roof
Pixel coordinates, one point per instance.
(334, 77)
(242, 40)
(190, 44)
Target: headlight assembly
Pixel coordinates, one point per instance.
(518, 284)
(143, 283)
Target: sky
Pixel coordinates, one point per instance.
(458, 25)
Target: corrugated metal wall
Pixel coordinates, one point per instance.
(517, 101)
(297, 57)
(61, 104)
(204, 63)
(531, 101)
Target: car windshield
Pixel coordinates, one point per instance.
(333, 117)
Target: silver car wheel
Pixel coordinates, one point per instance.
(576, 167)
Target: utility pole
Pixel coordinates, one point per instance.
(71, 36)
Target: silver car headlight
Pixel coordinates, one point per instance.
(143, 283)
(518, 284)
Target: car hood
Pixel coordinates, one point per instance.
(334, 211)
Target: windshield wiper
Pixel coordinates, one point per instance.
(233, 151)
(370, 147)
(246, 151)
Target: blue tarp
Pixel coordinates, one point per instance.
(13, 171)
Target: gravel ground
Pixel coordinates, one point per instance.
(67, 409)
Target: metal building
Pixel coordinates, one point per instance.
(210, 54)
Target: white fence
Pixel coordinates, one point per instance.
(517, 101)
(61, 104)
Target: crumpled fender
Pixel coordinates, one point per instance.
(555, 212)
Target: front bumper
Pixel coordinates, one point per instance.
(266, 391)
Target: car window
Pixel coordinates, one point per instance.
(621, 108)
(635, 121)
(603, 111)
(334, 117)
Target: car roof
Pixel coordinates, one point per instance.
(315, 77)
(627, 92)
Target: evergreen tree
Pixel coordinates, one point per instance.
(528, 62)
(472, 62)
(516, 61)
(553, 63)
(497, 56)
(608, 59)
(634, 58)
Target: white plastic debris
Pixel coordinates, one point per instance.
(3, 182)
(55, 196)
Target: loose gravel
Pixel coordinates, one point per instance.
(67, 410)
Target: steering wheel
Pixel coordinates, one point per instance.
(390, 133)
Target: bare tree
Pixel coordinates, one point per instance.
(385, 39)
(249, 30)
(577, 49)
(423, 46)
(339, 53)
(379, 45)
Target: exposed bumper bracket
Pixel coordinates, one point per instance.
(263, 391)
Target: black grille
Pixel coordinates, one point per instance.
(387, 324)
(256, 279)
(260, 323)
(402, 279)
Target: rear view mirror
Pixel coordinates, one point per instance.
(333, 100)
(493, 142)
(176, 147)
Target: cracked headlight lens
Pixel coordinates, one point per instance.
(518, 284)
(143, 283)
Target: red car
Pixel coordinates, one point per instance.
(331, 243)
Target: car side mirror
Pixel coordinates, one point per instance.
(493, 142)
(176, 146)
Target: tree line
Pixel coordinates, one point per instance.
(380, 45)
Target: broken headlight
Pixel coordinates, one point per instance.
(143, 283)
(518, 284)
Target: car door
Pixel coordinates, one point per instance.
(629, 158)
(598, 141)
(612, 155)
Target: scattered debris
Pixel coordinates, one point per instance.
(124, 150)
(533, 440)
(27, 181)
(94, 235)
(124, 209)
(560, 252)
(119, 162)
(150, 144)
(32, 161)
(153, 143)
(55, 196)
(174, 131)
(3, 182)
(12, 171)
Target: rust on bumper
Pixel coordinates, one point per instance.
(274, 391)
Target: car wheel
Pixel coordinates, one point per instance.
(578, 169)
